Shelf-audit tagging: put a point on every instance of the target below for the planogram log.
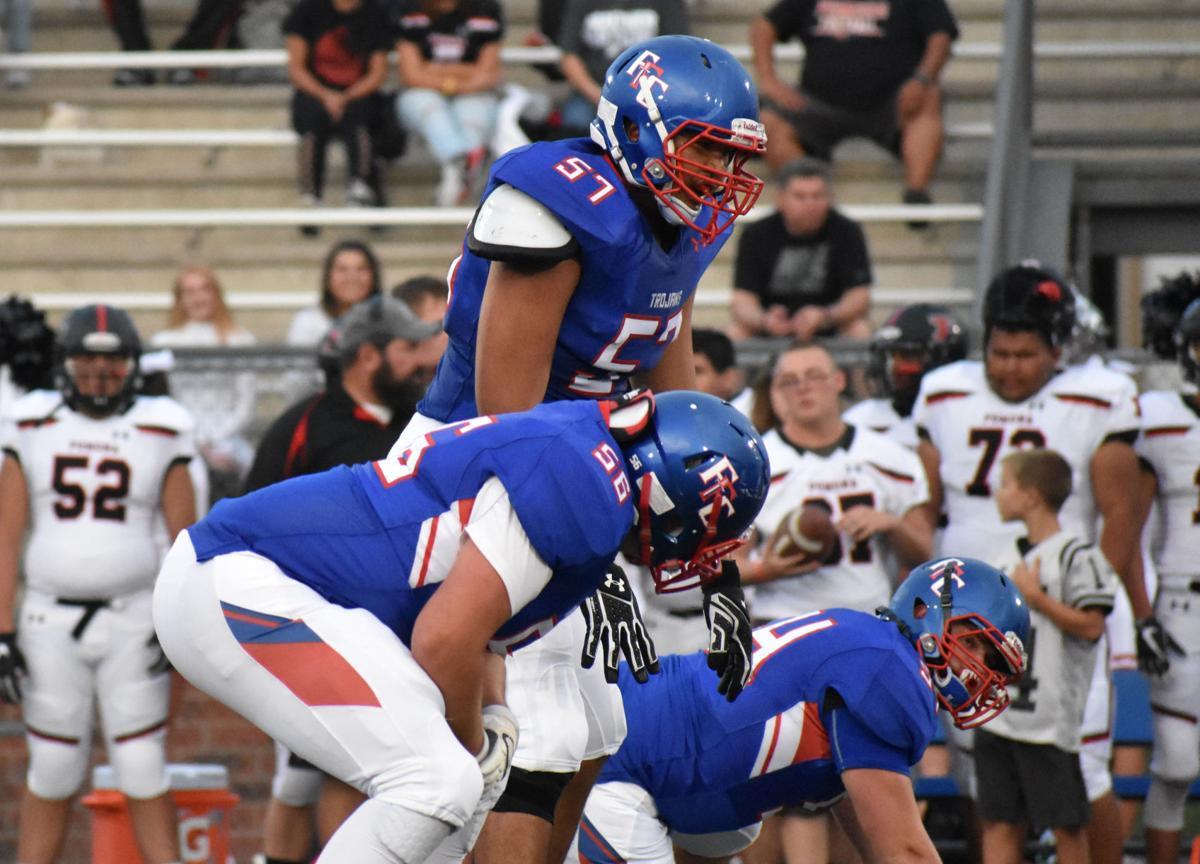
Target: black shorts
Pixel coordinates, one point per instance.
(821, 126)
(1033, 784)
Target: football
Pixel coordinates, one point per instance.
(807, 530)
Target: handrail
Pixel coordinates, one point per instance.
(249, 301)
(214, 217)
(524, 55)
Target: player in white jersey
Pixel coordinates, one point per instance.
(1170, 445)
(970, 415)
(87, 471)
(913, 341)
(875, 490)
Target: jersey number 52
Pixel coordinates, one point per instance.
(107, 503)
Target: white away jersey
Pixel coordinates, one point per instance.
(1170, 442)
(95, 487)
(864, 469)
(1047, 705)
(974, 429)
(878, 415)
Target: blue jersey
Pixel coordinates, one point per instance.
(383, 535)
(625, 311)
(713, 766)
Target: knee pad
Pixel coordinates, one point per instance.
(1165, 803)
(409, 836)
(533, 792)
(140, 765)
(56, 768)
(1176, 756)
(296, 783)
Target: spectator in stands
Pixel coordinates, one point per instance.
(349, 275)
(17, 19)
(449, 55)
(386, 357)
(870, 70)
(717, 371)
(1027, 760)
(208, 26)
(222, 402)
(337, 57)
(804, 272)
(594, 32)
(427, 296)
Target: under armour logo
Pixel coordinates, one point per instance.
(644, 72)
(616, 582)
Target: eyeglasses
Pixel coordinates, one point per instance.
(811, 378)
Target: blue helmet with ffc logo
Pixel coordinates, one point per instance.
(699, 475)
(665, 96)
(946, 608)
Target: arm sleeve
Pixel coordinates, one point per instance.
(270, 455)
(1089, 580)
(936, 17)
(496, 531)
(853, 259)
(748, 268)
(855, 745)
(570, 34)
(787, 16)
(298, 23)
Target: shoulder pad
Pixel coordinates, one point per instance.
(1098, 380)
(34, 405)
(161, 412)
(514, 227)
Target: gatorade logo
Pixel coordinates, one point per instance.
(194, 839)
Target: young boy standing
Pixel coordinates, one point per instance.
(1027, 760)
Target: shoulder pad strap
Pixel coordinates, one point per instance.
(511, 226)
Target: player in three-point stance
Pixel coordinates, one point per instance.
(840, 705)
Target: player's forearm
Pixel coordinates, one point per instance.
(459, 676)
(1087, 624)
(14, 517)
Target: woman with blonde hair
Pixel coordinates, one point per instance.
(222, 402)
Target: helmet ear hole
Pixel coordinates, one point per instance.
(632, 132)
(919, 608)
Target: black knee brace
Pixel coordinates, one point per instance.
(533, 792)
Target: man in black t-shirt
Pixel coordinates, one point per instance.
(803, 272)
(871, 70)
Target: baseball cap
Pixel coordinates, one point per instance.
(379, 320)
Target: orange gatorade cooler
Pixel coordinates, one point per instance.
(202, 798)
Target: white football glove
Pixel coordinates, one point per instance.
(499, 744)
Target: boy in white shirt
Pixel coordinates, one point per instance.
(1027, 761)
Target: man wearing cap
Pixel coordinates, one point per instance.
(381, 357)
(385, 357)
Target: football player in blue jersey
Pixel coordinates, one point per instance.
(839, 705)
(578, 272)
(350, 614)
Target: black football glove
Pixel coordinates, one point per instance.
(614, 622)
(730, 640)
(1154, 647)
(12, 669)
(160, 664)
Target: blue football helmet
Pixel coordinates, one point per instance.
(699, 474)
(948, 608)
(1187, 342)
(665, 96)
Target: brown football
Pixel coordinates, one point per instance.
(808, 529)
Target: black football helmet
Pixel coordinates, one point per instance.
(925, 337)
(1187, 342)
(98, 330)
(1162, 309)
(26, 344)
(1030, 297)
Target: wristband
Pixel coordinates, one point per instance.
(921, 78)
